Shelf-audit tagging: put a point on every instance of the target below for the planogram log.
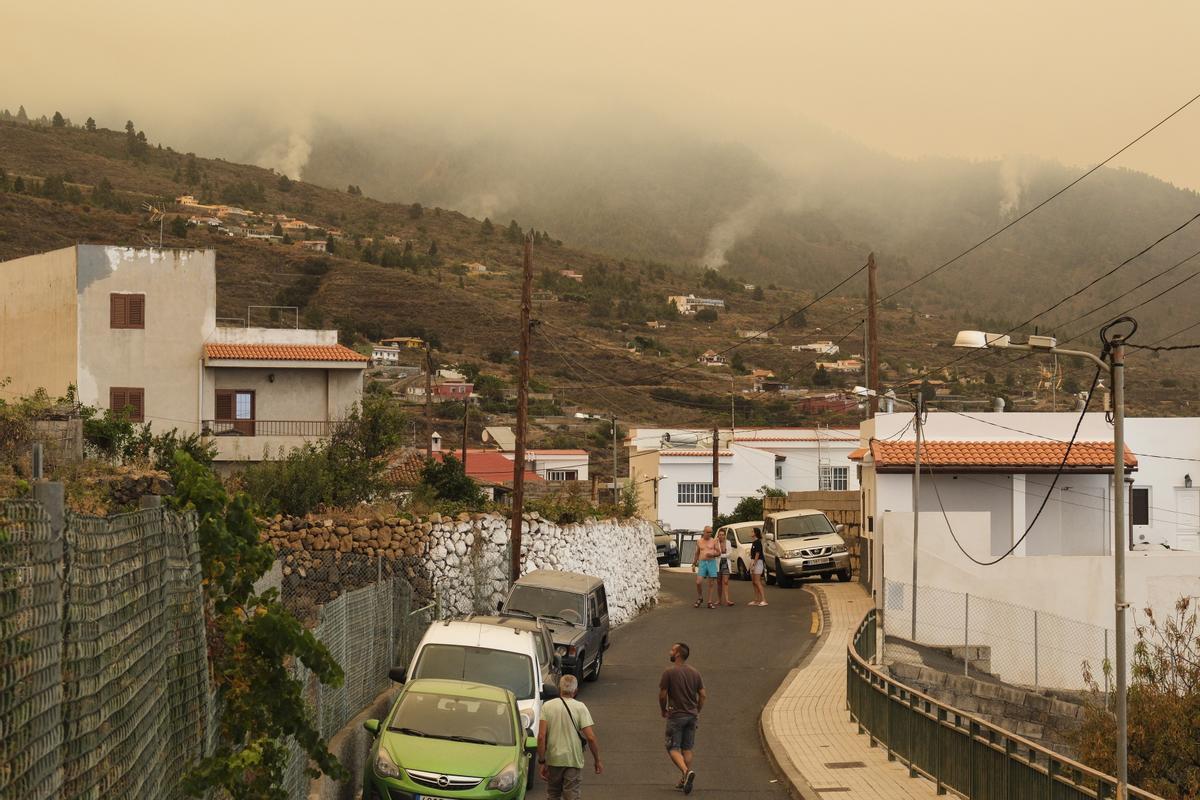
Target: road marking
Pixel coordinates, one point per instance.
(816, 623)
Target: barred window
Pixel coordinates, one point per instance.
(695, 493)
(834, 479)
(563, 475)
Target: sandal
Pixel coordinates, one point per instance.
(713, 605)
(730, 603)
(698, 603)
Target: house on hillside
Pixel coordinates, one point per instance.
(315, 245)
(135, 329)
(842, 365)
(689, 304)
(572, 274)
(404, 342)
(760, 336)
(475, 268)
(710, 358)
(825, 348)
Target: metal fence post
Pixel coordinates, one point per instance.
(1035, 649)
(967, 635)
(1105, 668)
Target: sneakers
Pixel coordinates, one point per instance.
(688, 781)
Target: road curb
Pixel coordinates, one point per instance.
(795, 783)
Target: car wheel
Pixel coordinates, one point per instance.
(743, 573)
(578, 671)
(594, 675)
(770, 576)
(844, 576)
(783, 580)
(826, 576)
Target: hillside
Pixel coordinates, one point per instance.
(592, 349)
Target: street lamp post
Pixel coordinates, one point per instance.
(1115, 366)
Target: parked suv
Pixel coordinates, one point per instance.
(803, 543)
(575, 607)
(665, 546)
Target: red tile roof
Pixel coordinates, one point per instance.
(1028, 455)
(282, 352)
(857, 455)
(697, 453)
(539, 451)
(488, 466)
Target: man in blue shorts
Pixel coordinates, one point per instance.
(704, 564)
(681, 696)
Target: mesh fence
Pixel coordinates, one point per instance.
(104, 683)
(368, 630)
(1016, 644)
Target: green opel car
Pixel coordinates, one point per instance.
(449, 739)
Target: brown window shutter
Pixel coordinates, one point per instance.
(117, 311)
(136, 313)
(117, 399)
(224, 404)
(137, 400)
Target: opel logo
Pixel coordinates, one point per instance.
(443, 781)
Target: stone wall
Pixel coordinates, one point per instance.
(1044, 718)
(462, 560)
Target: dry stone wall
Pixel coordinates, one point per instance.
(463, 560)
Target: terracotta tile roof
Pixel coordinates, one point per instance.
(282, 352)
(697, 453)
(998, 456)
(827, 439)
(488, 466)
(540, 452)
(857, 455)
(404, 471)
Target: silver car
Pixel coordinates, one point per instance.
(803, 543)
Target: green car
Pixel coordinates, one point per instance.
(449, 739)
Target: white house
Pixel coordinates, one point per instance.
(672, 468)
(690, 304)
(823, 347)
(556, 465)
(988, 486)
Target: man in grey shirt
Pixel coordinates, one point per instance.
(681, 697)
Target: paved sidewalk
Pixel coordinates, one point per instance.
(807, 728)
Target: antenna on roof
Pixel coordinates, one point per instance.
(156, 215)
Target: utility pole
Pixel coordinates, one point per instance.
(716, 482)
(429, 400)
(522, 410)
(616, 496)
(916, 503)
(872, 338)
(466, 410)
(1117, 369)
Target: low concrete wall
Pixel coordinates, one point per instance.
(352, 745)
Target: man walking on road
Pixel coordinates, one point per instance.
(565, 725)
(681, 696)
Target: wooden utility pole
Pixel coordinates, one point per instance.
(716, 482)
(522, 411)
(429, 400)
(873, 337)
(466, 410)
(616, 495)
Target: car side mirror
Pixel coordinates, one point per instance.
(549, 692)
(371, 726)
(839, 527)
(398, 674)
(531, 744)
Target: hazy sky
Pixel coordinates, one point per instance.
(1067, 80)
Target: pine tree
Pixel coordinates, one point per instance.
(486, 228)
(277, 230)
(21, 115)
(90, 125)
(18, 185)
(57, 121)
(285, 183)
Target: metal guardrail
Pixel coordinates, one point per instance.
(269, 427)
(959, 752)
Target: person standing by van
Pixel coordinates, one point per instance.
(758, 566)
(723, 567)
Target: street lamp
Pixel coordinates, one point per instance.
(1114, 349)
(918, 408)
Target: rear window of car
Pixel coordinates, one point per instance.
(508, 670)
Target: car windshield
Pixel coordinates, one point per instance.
(547, 603)
(512, 671)
(458, 719)
(745, 536)
(807, 525)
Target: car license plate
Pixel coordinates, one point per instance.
(817, 562)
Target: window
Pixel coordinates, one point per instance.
(563, 475)
(778, 470)
(127, 310)
(834, 479)
(695, 493)
(122, 398)
(1139, 511)
(235, 408)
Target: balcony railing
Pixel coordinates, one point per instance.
(314, 429)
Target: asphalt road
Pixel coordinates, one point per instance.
(743, 652)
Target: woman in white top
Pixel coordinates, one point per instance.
(723, 567)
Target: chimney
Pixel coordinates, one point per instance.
(436, 438)
(998, 404)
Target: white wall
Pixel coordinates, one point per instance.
(1174, 509)
(742, 474)
(272, 336)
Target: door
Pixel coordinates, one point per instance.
(235, 411)
(1187, 519)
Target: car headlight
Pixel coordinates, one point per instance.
(561, 649)
(526, 720)
(839, 548)
(384, 766)
(505, 780)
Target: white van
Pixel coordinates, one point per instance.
(738, 537)
(802, 543)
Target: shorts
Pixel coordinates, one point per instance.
(758, 567)
(681, 733)
(723, 568)
(708, 568)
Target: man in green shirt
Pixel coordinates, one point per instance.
(566, 723)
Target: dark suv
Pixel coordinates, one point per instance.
(575, 607)
(665, 547)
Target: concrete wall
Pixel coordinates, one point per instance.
(38, 323)
(1174, 508)
(272, 336)
(742, 474)
(164, 357)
